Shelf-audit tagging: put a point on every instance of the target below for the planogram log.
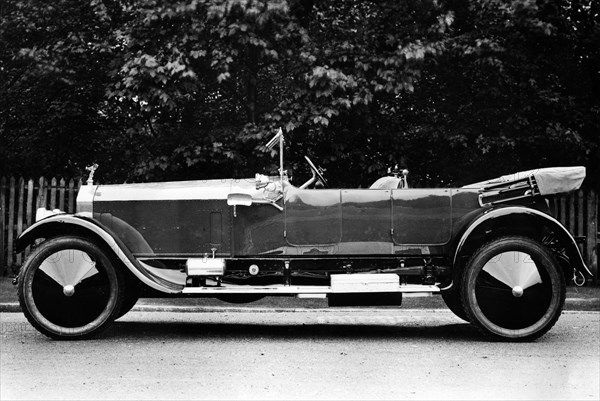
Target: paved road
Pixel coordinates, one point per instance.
(330, 354)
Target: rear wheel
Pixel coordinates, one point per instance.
(513, 289)
(453, 302)
(69, 289)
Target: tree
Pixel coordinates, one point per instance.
(515, 89)
(159, 90)
(54, 115)
(361, 60)
(198, 74)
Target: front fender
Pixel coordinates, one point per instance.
(504, 219)
(67, 224)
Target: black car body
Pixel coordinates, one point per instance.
(491, 249)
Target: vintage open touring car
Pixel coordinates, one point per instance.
(491, 249)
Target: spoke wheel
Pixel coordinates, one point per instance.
(69, 289)
(513, 289)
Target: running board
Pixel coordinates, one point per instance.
(305, 291)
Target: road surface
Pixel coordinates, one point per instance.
(328, 354)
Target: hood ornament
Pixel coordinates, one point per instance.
(92, 169)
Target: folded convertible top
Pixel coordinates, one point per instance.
(551, 180)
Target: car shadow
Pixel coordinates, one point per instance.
(139, 331)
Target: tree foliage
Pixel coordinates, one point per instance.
(456, 91)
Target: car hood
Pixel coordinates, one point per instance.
(176, 190)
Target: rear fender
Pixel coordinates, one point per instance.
(66, 224)
(518, 220)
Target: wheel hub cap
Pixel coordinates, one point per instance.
(68, 290)
(68, 268)
(517, 291)
(514, 269)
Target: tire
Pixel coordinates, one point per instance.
(453, 302)
(513, 289)
(130, 297)
(69, 289)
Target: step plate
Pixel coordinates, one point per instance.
(357, 283)
(301, 289)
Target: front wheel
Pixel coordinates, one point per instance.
(513, 289)
(131, 295)
(69, 288)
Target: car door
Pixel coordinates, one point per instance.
(366, 221)
(421, 216)
(313, 217)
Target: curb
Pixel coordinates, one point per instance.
(225, 309)
(221, 309)
(10, 307)
(591, 304)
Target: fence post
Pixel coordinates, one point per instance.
(52, 194)
(71, 192)
(61, 194)
(2, 226)
(572, 201)
(79, 183)
(563, 211)
(28, 210)
(40, 201)
(21, 201)
(2, 263)
(592, 234)
(11, 223)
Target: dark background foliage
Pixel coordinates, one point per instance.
(456, 91)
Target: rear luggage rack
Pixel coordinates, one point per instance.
(508, 191)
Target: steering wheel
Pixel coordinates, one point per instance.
(317, 171)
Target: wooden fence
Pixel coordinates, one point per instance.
(578, 212)
(19, 200)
